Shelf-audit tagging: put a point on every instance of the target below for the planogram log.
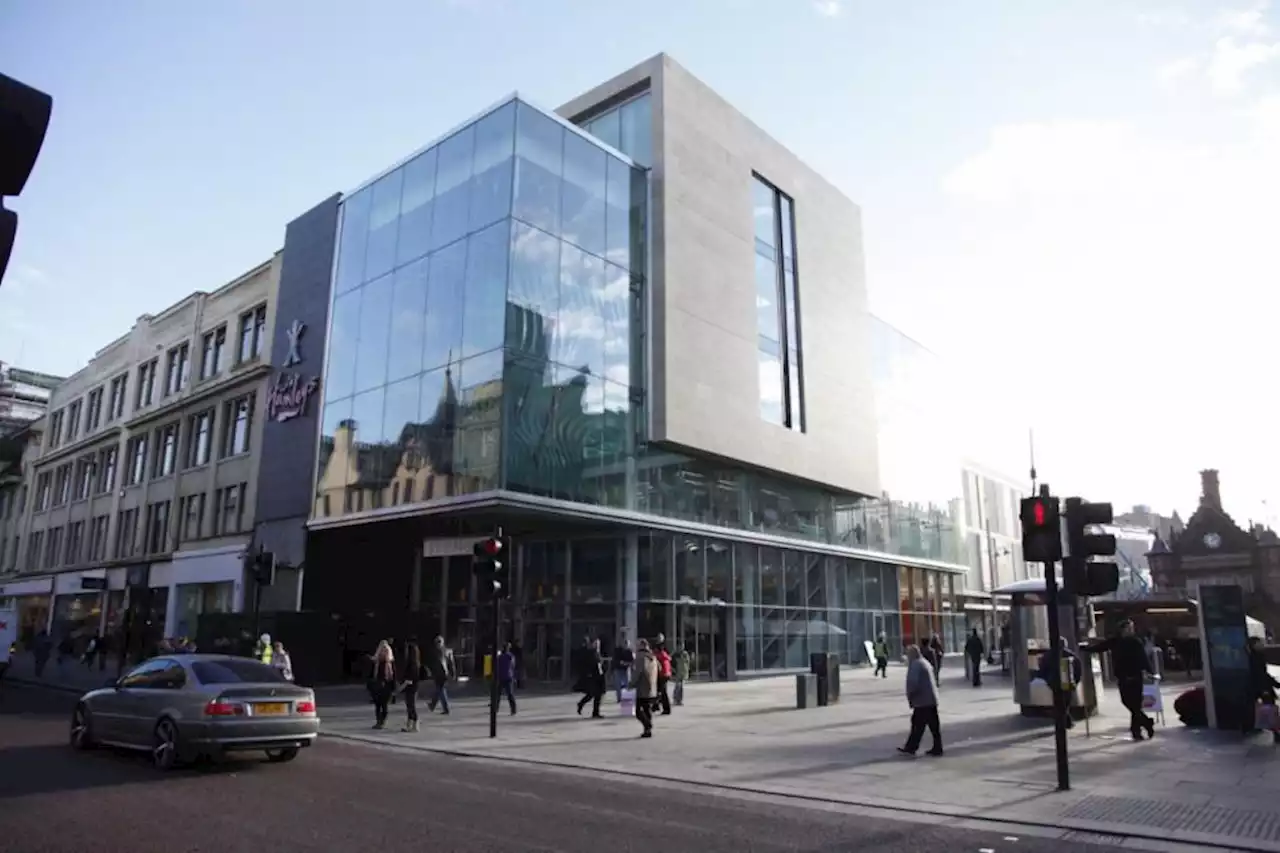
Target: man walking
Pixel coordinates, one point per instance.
(1130, 663)
(922, 696)
(973, 650)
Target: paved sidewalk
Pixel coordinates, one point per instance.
(1197, 787)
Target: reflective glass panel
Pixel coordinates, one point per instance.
(355, 236)
(408, 320)
(384, 222)
(533, 294)
(615, 312)
(619, 213)
(344, 337)
(607, 128)
(485, 293)
(637, 130)
(477, 441)
(771, 408)
(491, 184)
(334, 464)
(444, 306)
(539, 164)
(767, 319)
(416, 207)
(584, 190)
(580, 324)
(762, 200)
(453, 187)
(375, 325)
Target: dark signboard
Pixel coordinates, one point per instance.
(97, 584)
(1224, 646)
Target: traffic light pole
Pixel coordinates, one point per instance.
(494, 692)
(1055, 649)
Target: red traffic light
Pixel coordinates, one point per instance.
(488, 548)
(1037, 514)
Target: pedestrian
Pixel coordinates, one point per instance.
(1262, 688)
(263, 650)
(280, 661)
(680, 674)
(623, 658)
(664, 673)
(939, 654)
(590, 678)
(382, 682)
(506, 672)
(42, 647)
(1130, 664)
(91, 651)
(441, 667)
(973, 650)
(409, 678)
(644, 679)
(922, 696)
(881, 649)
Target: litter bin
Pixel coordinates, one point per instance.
(825, 667)
(806, 690)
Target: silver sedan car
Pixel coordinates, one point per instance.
(182, 707)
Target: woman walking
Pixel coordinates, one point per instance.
(281, 661)
(382, 682)
(411, 676)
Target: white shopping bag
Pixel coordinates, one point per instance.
(627, 707)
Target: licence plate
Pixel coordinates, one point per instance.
(270, 709)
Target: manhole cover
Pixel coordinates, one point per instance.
(1178, 817)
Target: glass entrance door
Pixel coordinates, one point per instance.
(543, 651)
(703, 631)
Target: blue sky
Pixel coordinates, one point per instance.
(1023, 167)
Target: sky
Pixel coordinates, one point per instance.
(1074, 204)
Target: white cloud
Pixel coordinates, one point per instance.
(1232, 61)
(828, 8)
(1174, 74)
(1251, 21)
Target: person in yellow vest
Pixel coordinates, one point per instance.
(264, 649)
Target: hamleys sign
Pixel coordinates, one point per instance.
(290, 394)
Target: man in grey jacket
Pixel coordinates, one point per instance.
(922, 696)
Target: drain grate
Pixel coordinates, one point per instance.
(1178, 817)
(1098, 838)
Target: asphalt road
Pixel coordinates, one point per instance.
(351, 798)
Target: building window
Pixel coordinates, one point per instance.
(177, 368)
(253, 332)
(73, 420)
(157, 527)
(146, 390)
(136, 459)
(44, 483)
(53, 548)
(55, 429)
(84, 477)
(126, 532)
(237, 419)
(62, 484)
(199, 438)
(94, 419)
(166, 451)
(192, 517)
(34, 543)
(98, 537)
(115, 397)
(75, 542)
(229, 510)
(777, 308)
(215, 345)
(106, 469)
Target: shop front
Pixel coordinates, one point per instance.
(200, 582)
(31, 599)
(78, 605)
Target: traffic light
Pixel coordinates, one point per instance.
(24, 118)
(263, 568)
(1082, 575)
(1041, 534)
(492, 567)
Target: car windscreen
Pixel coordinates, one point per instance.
(235, 672)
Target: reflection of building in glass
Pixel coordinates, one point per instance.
(644, 351)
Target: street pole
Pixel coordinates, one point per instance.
(493, 659)
(1055, 649)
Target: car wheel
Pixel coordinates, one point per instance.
(81, 729)
(164, 751)
(279, 756)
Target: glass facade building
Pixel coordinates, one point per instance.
(487, 334)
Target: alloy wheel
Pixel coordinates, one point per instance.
(165, 751)
(80, 729)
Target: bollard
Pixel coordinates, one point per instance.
(806, 690)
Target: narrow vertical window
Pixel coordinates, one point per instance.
(777, 307)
